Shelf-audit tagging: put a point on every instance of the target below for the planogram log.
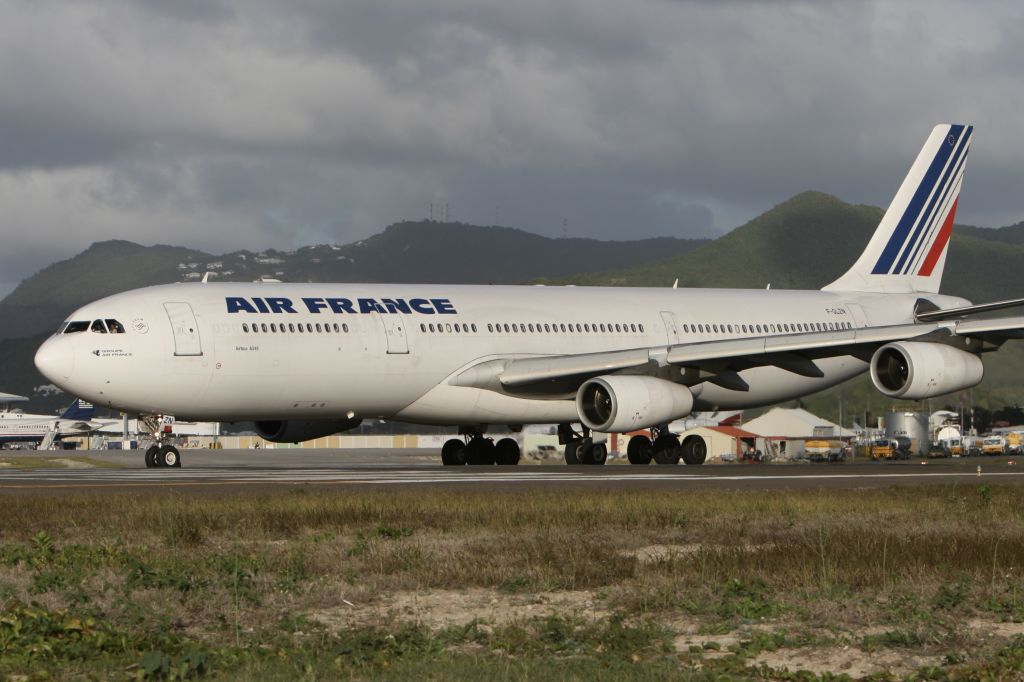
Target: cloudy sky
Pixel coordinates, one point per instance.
(226, 124)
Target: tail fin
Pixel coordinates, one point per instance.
(79, 410)
(907, 253)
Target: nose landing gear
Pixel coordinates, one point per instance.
(159, 454)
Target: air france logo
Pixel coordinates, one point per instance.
(356, 306)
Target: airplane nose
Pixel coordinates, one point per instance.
(55, 360)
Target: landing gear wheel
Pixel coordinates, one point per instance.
(151, 456)
(453, 452)
(480, 451)
(598, 453)
(585, 452)
(666, 449)
(640, 450)
(506, 452)
(695, 450)
(572, 452)
(168, 456)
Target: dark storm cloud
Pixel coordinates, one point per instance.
(231, 124)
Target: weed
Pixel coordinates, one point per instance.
(951, 596)
(746, 599)
(984, 495)
(392, 533)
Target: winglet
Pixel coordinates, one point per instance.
(907, 252)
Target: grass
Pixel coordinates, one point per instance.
(538, 585)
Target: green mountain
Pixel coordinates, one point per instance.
(424, 252)
(809, 240)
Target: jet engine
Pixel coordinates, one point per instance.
(913, 370)
(282, 431)
(621, 403)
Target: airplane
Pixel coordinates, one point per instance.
(308, 360)
(19, 427)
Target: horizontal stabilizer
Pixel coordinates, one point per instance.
(950, 313)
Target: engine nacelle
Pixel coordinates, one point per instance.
(296, 431)
(913, 370)
(617, 404)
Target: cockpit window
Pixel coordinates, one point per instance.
(61, 328)
(115, 327)
(99, 327)
(76, 327)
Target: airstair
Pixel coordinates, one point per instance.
(51, 435)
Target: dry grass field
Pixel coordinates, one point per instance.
(916, 582)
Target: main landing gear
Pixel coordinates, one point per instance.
(475, 449)
(581, 448)
(666, 449)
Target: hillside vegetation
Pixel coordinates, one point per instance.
(421, 252)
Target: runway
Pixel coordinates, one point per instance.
(224, 470)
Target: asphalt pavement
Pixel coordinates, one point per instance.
(223, 470)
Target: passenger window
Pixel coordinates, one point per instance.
(98, 327)
(300, 329)
(473, 327)
(633, 328)
(264, 326)
(115, 327)
(344, 327)
(318, 327)
(245, 327)
(273, 327)
(336, 328)
(641, 329)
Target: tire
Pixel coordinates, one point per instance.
(453, 453)
(695, 451)
(640, 450)
(168, 456)
(480, 452)
(598, 453)
(506, 452)
(572, 449)
(666, 449)
(151, 456)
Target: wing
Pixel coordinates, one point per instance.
(719, 362)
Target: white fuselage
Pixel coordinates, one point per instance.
(324, 351)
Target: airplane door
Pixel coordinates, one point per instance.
(670, 327)
(394, 331)
(186, 331)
